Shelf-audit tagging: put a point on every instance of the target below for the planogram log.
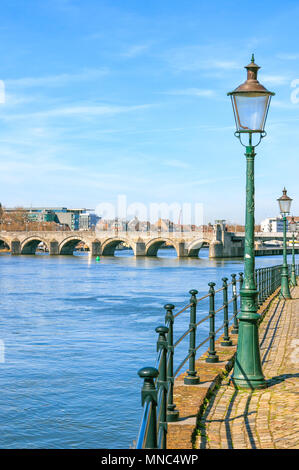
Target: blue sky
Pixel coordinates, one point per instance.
(129, 97)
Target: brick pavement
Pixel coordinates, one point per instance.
(267, 418)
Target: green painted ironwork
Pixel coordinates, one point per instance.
(285, 290)
(192, 377)
(172, 413)
(293, 272)
(148, 431)
(235, 328)
(226, 339)
(248, 368)
(157, 392)
(212, 356)
(162, 385)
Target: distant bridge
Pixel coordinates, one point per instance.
(221, 244)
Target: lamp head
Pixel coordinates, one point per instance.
(284, 203)
(251, 102)
(292, 225)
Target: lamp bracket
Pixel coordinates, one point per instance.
(262, 134)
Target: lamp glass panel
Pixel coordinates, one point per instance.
(250, 111)
(292, 226)
(285, 205)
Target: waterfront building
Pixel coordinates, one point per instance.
(42, 216)
(88, 220)
(272, 224)
(59, 215)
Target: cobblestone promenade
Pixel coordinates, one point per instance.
(267, 418)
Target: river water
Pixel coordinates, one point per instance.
(74, 333)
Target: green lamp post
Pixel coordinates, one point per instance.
(293, 229)
(284, 206)
(250, 103)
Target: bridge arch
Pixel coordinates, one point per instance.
(195, 247)
(152, 247)
(68, 245)
(30, 244)
(109, 246)
(4, 243)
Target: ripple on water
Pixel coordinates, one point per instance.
(76, 332)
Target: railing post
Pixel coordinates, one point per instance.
(262, 292)
(172, 413)
(266, 283)
(241, 280)
(226, 339)
(293, 269)
(212, 357)
(149, 394)
(192, 378)
(162, 382)
(258, 281)
(235, 329)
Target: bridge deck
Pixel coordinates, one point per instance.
(267, 418)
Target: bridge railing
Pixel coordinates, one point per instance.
(157, 391)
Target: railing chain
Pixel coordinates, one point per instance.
(235, 329)
(226, 338)
(172, 413)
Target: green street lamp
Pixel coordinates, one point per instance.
(250, 102)
(284, 206)
(293, 229)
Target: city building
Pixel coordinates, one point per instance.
(88, 220)
(42, 216)
(59, 215)
(272, 224)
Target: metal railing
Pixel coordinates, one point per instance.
(157, 391)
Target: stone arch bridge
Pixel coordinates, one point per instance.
(221, 244)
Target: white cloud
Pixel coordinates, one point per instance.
(2, 92)
(77, 111)
(135, 50)
(274, 79)
(193, 58)
(177, 164)
(191, 92)
(283, 104)
(287, 56)
(57, 80)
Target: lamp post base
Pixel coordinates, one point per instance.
(212, 358)
(248, 372)
(172, 416)
(191, 379)
(293, 278)
(249, 383)
(285, 290)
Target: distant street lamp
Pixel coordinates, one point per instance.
(250, 103)
(293, 229)
(285, 206)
